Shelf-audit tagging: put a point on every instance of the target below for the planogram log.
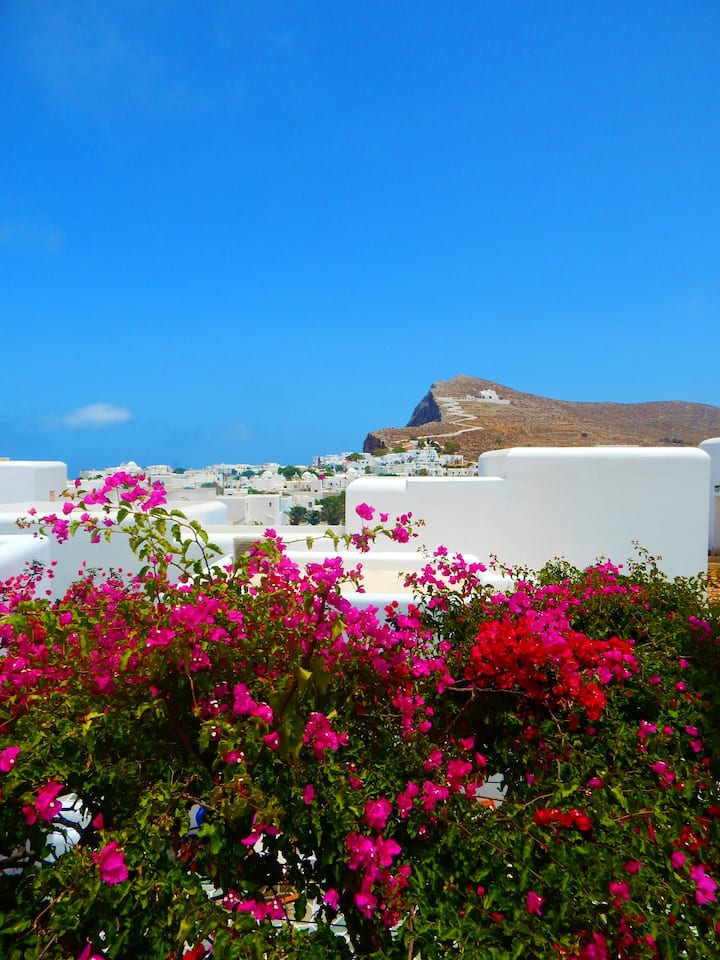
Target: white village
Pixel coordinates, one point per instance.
(520, 507)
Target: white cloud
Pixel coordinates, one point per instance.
(96, 415)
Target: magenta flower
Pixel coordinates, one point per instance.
(620, 889)
(385, 850)
(534, 902)
(362, 851)
(321, 736)
(364, 511)
(632, 866)
(400, 534)
(366, 902)
(677, 859)
(46, 806)
(264, 712)
(405, 799)
(646, 729)
(88, 954)
(243, 702)
(111, 864)
(433, 794)
(331, 898)
(8, 758)
(377, 813)
(705, 886)
(272, 910)
(308, 794)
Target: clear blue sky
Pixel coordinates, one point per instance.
(244, 231)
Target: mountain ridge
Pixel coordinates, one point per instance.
(460, 415)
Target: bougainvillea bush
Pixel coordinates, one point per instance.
(241, 763)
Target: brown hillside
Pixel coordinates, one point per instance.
(453, 413)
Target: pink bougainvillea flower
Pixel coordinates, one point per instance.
(366, 902)
(259, 828)
(321, 736)
(364, 511)
(88, 954)
(99, 822)
(46, 806)
(632, 866)
(534, 902)
(377, 813)
(434, 760)
(243, 702)
(400, 534)
(264, 711)
(677, 859)
(308, 794)
(331, 898)
(272, 740)
(646, 729)
(620, 889)
(111, 864)
(8, 758)
(705, 886)
(433, 794)
(405, 799)
(386, 850)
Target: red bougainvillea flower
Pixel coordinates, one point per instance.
(111, 863)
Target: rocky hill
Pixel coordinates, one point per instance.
(469, 416)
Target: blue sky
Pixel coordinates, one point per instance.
(244, 231)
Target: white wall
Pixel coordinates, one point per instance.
(712, 449)
(527, 506)
(77, 554)
(532, 504)
(16, 552)
(31, 480)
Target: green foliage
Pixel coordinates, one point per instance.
(297, 515)
(289, 472)
(341, 761)
(332, 509)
